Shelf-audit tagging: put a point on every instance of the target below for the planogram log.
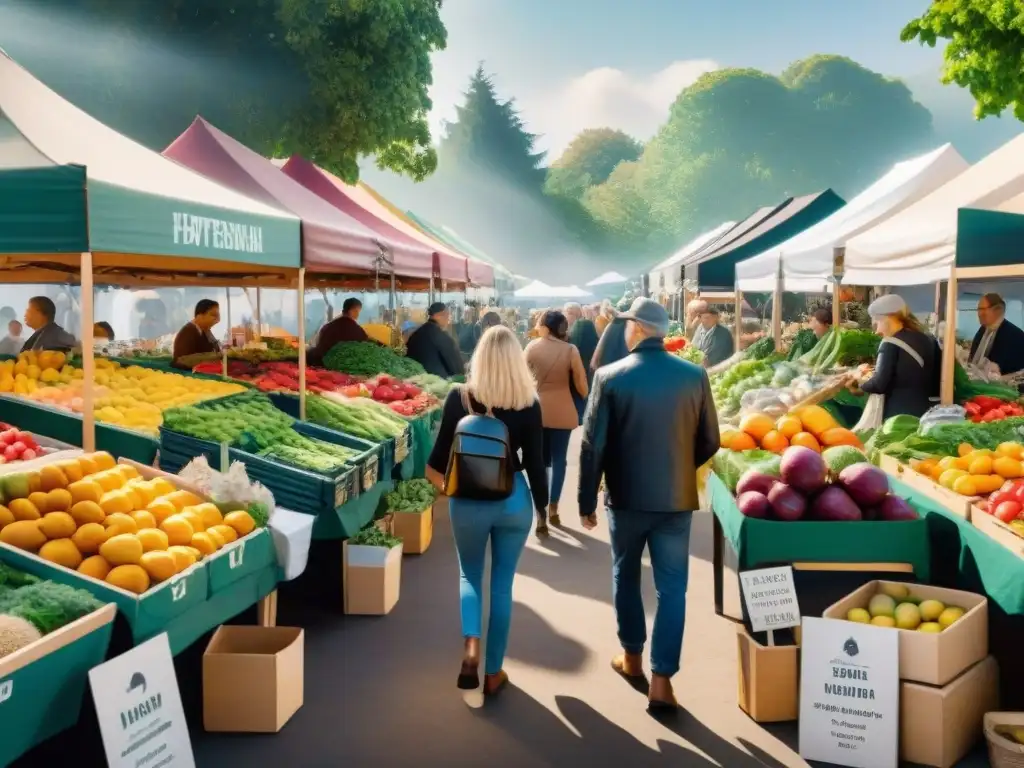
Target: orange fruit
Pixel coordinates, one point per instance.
(218, 540)
(58, 500)
(89, 537)
(58, 525)
(88, 466)
(183, 557)
(193, 519)
(72, 470)
(88, 512)
(840, 436)
(95, 566)
(159, 565)
(789, 426)
(226, 532)
(152, 540)
(757, 425)
(241, 521)
(144, 519)
(741, 441)
(103, 460)
(161, 509)
(775, 442)
(119, 523)
(178, 529)
(86, 490)
(807, 440)
(40, 500)
(204, 543)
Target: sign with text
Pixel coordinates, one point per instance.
(770, 596)
(138, 706)
(849, 693)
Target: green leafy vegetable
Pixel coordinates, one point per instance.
(411, 496)
(371, 536)
(48, 605)
(360, 358)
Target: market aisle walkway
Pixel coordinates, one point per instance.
(381, 691)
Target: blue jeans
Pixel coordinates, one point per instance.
(506, 524)
(556, 452)
(667, 536)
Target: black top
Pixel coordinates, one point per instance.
(435, 350)
(1007, 349)
(907, 385)
(612, 346)
(525, 434)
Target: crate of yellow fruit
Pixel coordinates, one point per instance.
(139, 538)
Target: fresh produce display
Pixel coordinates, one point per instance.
(842, 347)
(31, 608)
(727, 388)
(103, 520)
(975, 472)
(411, 496)
(431, 384)
(803, 343)
(24, 375)
(356, 416)
(1007, 505)
(284, 377)
(896, 607)
(251, 422)
(372, 536)
(363, 359)
(965, 388)
(805, 489)
(18, 445)
(761, 349)
(132, 397)
(811, 427)
(982, 408)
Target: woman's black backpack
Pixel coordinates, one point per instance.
(480, 464)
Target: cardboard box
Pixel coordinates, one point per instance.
(372, 577)
(252, 678)
(956, 503)
(935, 659)
(938, 726)
(998, 530)
(415, 529)
(768, 679)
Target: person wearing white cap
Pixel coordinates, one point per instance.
(907, 369)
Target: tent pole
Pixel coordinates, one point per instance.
(88, 356)
(224, 349)
(738, 327)
(302, 343)
(777, 309)
(938, 306)
(259, 313)
(949, 340)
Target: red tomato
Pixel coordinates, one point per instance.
(1017, 494)
(997, 498)
(1007, 511)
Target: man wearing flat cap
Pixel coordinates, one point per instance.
(713, 338)
(431, 346)
(656, 400)
(998, 340)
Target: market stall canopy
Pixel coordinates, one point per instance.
(664, 275)
(716, 267)
(608, 278)
(539, 290)
(331, 241)
(730, 236)
(991, 237)
(806, 259)
(409, 256)
(425, 236)
(455, 239)
(919, 244)
(480, 272)
(70, 184)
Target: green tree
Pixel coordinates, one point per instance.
(336, 80)
(488, 136)
(984, 52)
(589, 160)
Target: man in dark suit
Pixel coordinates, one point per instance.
(658, 401)
(998, 340)
(432, 347)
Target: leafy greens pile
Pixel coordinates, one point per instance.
(360, 358)
(411, 496)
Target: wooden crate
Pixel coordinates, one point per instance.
(998, 530)
(956, 503)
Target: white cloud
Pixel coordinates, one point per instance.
(609, 97)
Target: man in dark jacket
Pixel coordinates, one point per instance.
(342, 328)
(432, 347)
(998, 340)
(612, 345)
(650, 424)
(470, 335)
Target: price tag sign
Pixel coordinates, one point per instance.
(770, 596)
(341, 492)
(370, 473)
(138, 706)
(849, 693)
(401, 447)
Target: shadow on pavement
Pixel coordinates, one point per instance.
(526, 722)
(534, 641)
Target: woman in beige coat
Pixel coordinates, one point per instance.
(556, 365)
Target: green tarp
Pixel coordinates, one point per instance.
(70, 184)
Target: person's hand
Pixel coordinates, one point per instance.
(589, 522)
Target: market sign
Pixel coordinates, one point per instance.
(216, 233)
(770, 597)
(138, 706)
(849, 693)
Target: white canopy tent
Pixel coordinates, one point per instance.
(666, 274)
(539, 290)
(806, 259)
(608, 278)
(918, 245)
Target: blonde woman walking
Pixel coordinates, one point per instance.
(499, 383)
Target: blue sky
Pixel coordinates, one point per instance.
(573, 64)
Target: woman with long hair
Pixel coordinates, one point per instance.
(558, 370)
(500, 383)
(907, 369)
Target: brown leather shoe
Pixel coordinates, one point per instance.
(495, 684)
(629, 665)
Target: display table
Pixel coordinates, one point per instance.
(861, 546)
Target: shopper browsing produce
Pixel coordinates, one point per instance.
(694, 310)
(907, 370)
(343, 328)
(998, 340)
(821, 321)
(432, 347)
(11, 344)
(47, 335)
(196, 337)
(713, 338)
